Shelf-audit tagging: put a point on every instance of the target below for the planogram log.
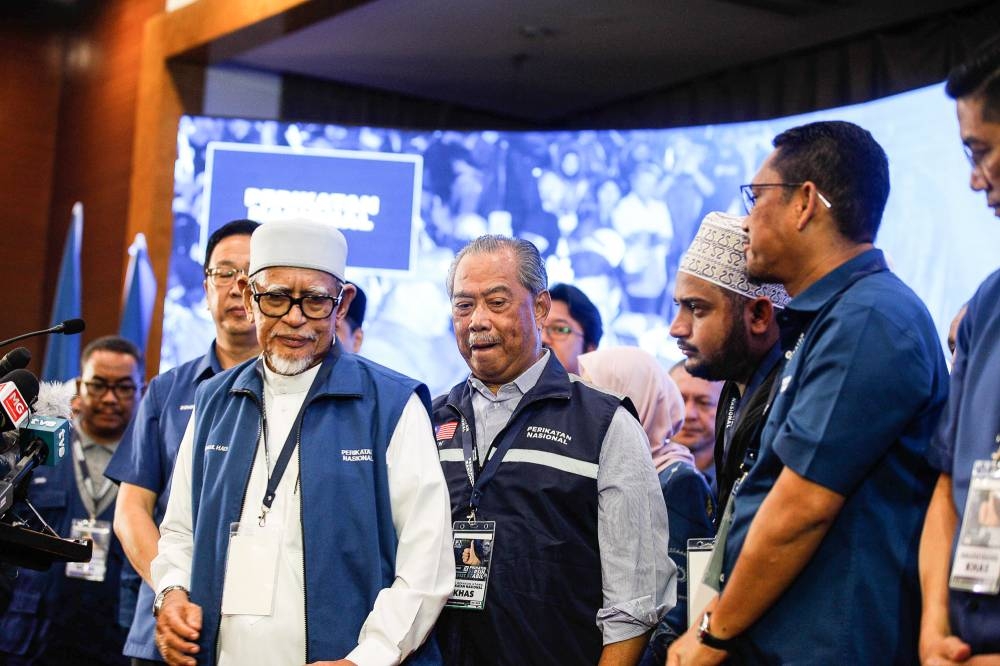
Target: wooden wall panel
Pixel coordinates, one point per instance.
(30, 74)
(94, 151)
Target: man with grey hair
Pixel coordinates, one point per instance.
(308, 519)
(558, 471)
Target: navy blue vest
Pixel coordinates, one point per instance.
(349, 542)
(545, 580)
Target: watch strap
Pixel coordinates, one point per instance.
(158, 601)
(714, 642)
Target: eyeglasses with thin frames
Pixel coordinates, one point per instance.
(223, 276)
(750, 198)
(561, 331)
(313, 306)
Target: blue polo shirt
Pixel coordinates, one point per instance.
(970, 430)
(854, 410)
(145, 458)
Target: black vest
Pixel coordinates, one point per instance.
(545, 580)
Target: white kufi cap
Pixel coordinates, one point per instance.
(716, 255)
(299, 244)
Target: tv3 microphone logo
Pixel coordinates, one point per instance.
(14, 404)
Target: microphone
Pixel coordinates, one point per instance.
(50, 422)
(68, 327)
(18, 389)
(15, 359)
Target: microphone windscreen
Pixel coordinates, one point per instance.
(55, 399)
(73, 326)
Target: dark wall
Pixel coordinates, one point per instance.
(67, 103)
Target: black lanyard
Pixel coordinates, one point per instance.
(291, 442)
(481, 475)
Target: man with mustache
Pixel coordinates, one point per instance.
(69, 613)
(960, 625)
(308, 516)
(818, 562)
(727, 328)
(144, 463)
(579, 571)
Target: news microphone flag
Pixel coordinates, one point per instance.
(139, 296)
(62, 355)
(14, 405)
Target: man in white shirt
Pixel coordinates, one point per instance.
(356, 572)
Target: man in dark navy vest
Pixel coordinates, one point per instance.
(308, 517)
(578, 570)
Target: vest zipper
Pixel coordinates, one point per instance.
(261, 431)
(302, 528)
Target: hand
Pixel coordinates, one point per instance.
(943, 650)
(984, 660)
(689, 651)
(469, 557)
(177, 627)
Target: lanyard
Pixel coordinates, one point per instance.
(481, 475)
(88, 481)
(291, 442)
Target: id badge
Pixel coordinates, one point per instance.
(977, 559)
(97, 532)
(699, 554)
(473, 546)
(251, 569)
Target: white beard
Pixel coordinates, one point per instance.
(288, 366)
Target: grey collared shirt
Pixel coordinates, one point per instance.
(639, 580)
(96, 456)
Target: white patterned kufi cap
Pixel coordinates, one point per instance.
(299, 244)
(717, 256)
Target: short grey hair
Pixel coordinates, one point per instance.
(530, 269)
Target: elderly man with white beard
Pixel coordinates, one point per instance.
(308, 521)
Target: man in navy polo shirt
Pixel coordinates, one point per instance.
(819, 560)
(144, 461)
(957, 624)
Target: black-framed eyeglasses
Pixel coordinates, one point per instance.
(122, 390)
(561, 331)
(276, 304)
(750, 198)
(223, 276)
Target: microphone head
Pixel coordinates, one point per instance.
(72, 326)
(15, 359)
(26, 383)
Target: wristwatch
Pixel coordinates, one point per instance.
(158, 601)
(714, 642)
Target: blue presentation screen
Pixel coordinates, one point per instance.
(611, 211)
(371, 197)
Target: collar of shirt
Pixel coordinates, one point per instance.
(524, 383)
(801, 310)
(208, 366)
(278, 384)
(827, 287)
